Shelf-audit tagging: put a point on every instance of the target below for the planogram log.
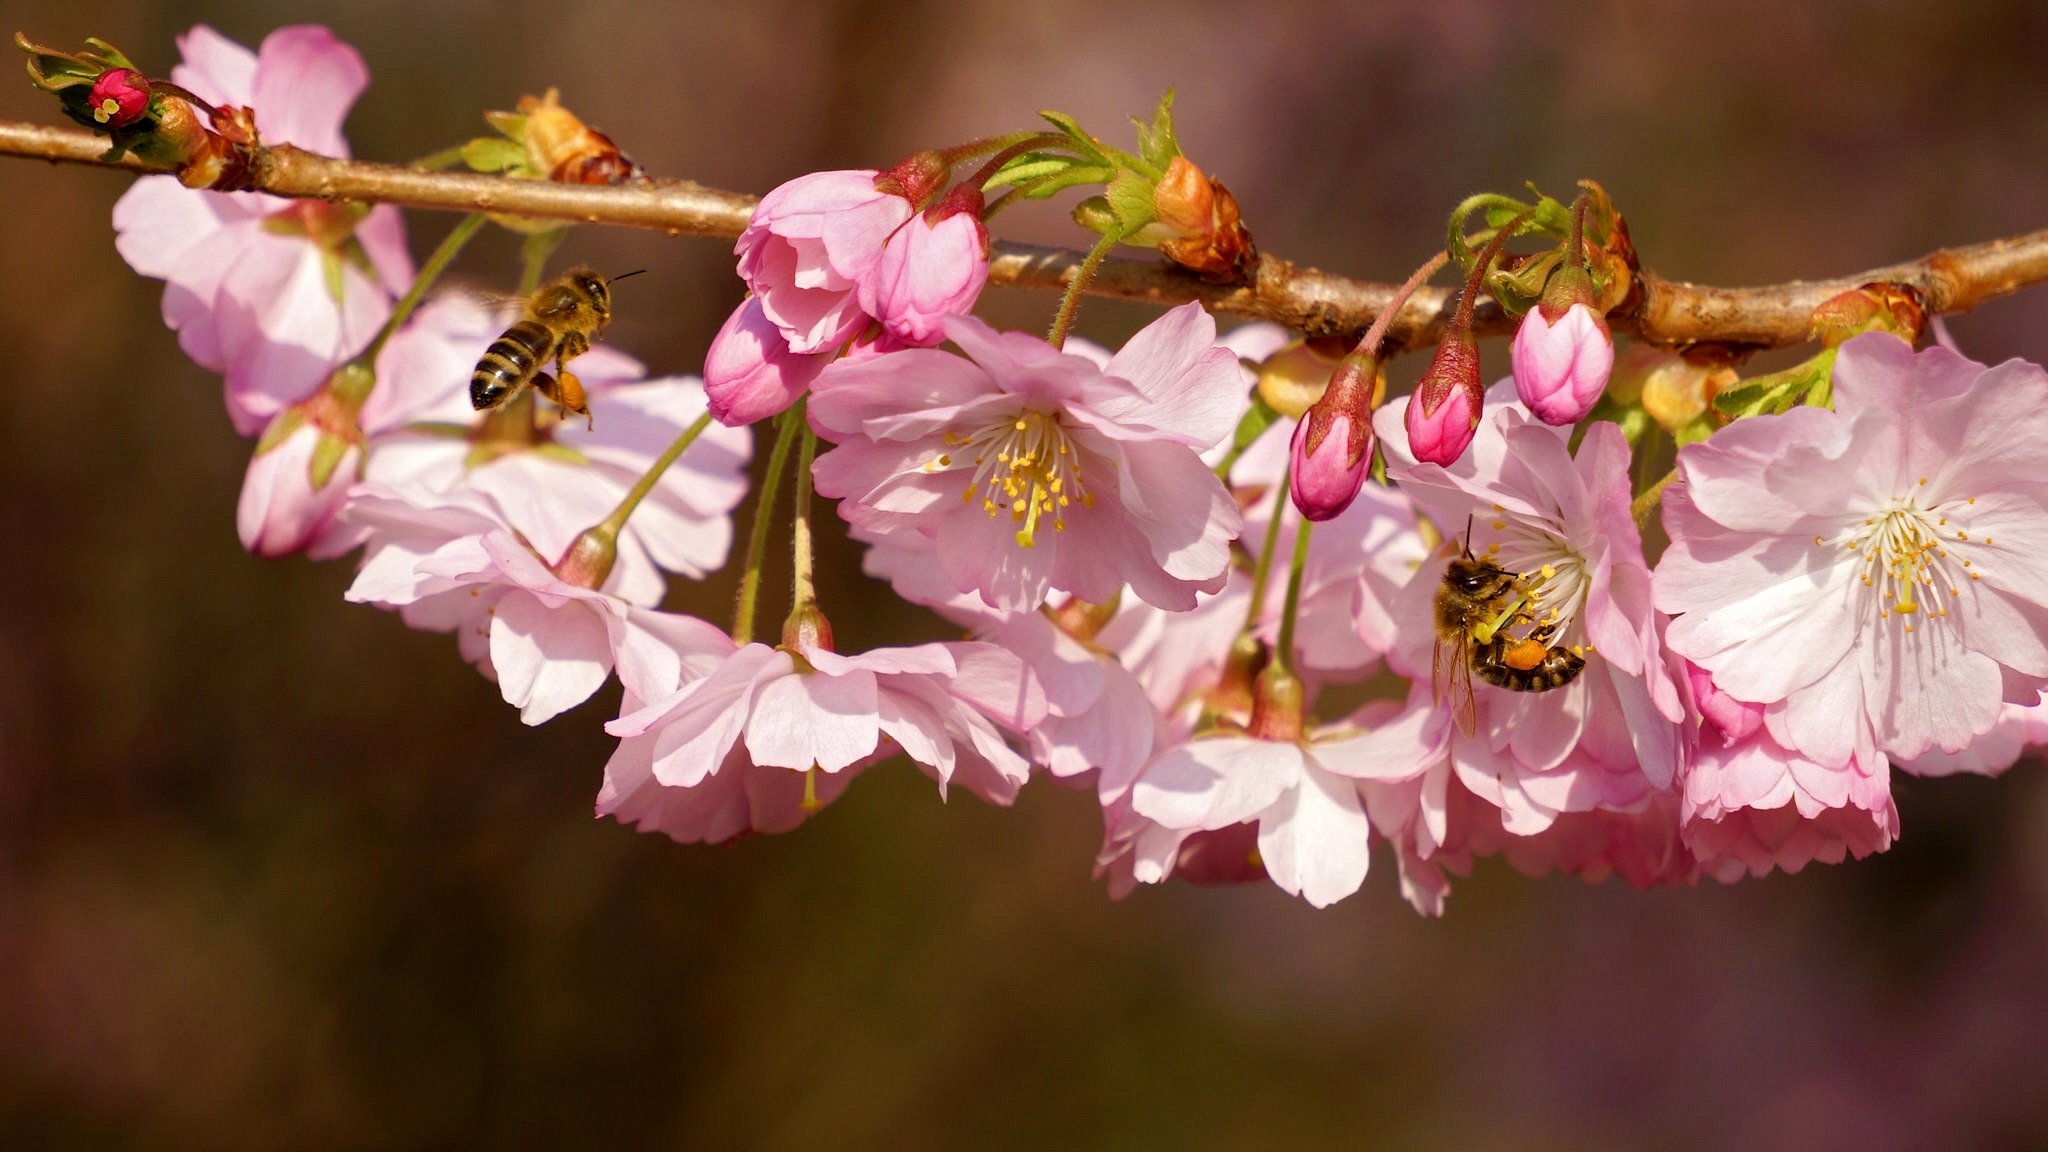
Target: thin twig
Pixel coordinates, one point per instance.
(1316, 303)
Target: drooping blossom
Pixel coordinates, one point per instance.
(1751, 805)
(298, 480)
(251, 281)
(763, 711)
(1872, 574)
(1562, 523)
(1562, 362)
(1439, 829)
(452, 563)
(1035, 470)
(554, 479)
(1303, 796)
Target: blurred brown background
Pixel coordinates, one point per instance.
(277, 872)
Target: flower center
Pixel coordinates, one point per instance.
(1553, 578)
(1026, 466)
(1906, 560)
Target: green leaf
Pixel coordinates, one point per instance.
(1157, 144)
(1130, 197)
(487, 154)
(1088, 145)
(1028, 167)
(1050, 186)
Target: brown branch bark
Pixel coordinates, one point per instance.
(1318, 303)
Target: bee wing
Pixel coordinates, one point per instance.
(1454, 690)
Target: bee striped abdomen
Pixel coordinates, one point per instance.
(510, 362)
(1560, 666)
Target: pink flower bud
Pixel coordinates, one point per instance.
(1333, 442)
(120, 97)
(749, 372)
(1443, 413)
(1326, 465)
(1561, 365)
(933, 267)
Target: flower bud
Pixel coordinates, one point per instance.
(749, 372)
(1561, 362)
(1443, 414)
(1211, 241)
(119, 97)
(587, 563)
(562, 148)
(933, 267)
(1332, 444)
(917, 177)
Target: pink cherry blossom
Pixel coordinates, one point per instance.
(1871, 574)
(764, 710)
(1751, 805)
(554, 482)
(1561, 364)
(1303, 796)
(251, 279)
(933, 267)
(1326, 475)
(1075, 477)
(1137, 850)
(453, 564)
(1610, 736)
(810, 246)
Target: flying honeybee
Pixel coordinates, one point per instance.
(1475, 606)
(558, 323)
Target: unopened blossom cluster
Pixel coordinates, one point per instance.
(1216, 616)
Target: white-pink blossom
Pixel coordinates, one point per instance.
(1035, 470)
(1875, 573)
(273, 292)
(1303, 795)
(453, 564)
(765, 710)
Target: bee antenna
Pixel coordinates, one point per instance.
(623, 276)
(1468, 537)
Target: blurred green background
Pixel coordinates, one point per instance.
(277, 872)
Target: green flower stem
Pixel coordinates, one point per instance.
(803, 593)
(1262, 571)
(533, 257)
(757, 535)
(1283, 653)
(451, 246)
(1070, 300)
(648, 479)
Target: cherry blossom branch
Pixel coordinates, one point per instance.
(1317, 303)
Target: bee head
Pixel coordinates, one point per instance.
(596, 287)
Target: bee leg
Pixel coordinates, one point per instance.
(573, 344)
